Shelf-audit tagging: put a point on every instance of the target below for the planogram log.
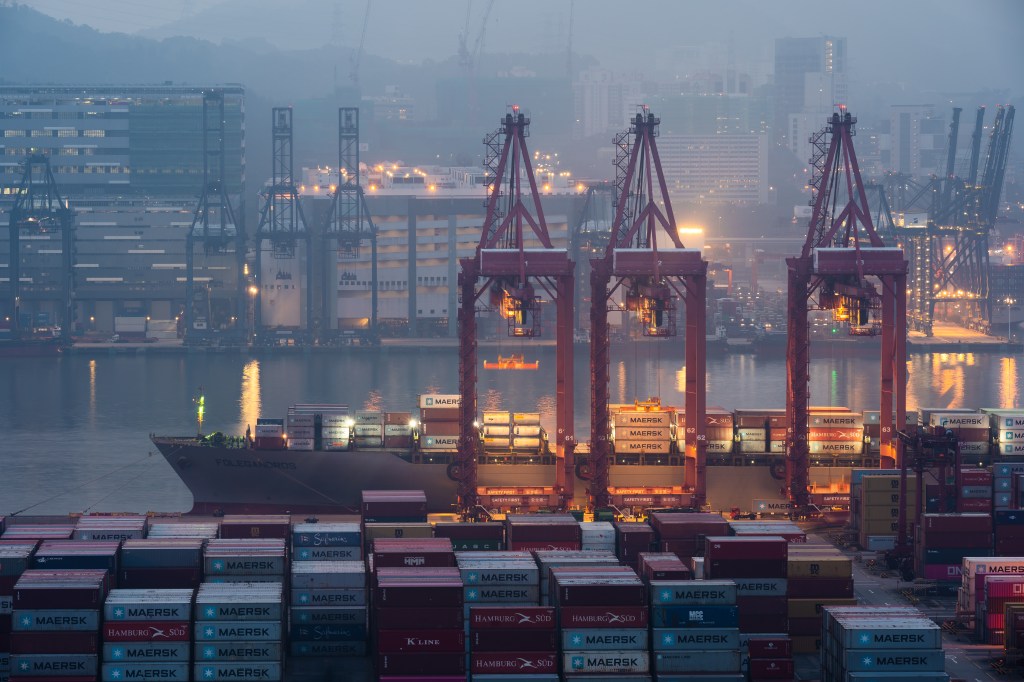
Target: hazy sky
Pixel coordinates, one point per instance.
(946, 45)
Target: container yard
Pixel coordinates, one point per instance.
(398, 593)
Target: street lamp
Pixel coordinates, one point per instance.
(1009, 301)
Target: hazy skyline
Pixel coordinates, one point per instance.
(924, 46)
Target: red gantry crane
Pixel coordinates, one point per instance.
(514, 275)
(841, 251)
(653, 279)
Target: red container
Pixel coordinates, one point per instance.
(505, 618)
(264, 526)
(763, 606)
(439, 414)
(55, 642)
(421, 664)
(391, 504)
(419, 594)
(771, 647)
(1001, 586)
(269, 443)
(636, 536)
(503, 640)
(975, 477)
(438, 618)
(397, 418)
(603, 617)
(420, 641)
(944, 572)
(601, 593)
(807, 588)
(975, 505)
(518, 662)
(671, 525)
(759, 623)
(407, 557)
(747, 548)
(958, 540)
(684, 548)
(771, 669)
(956, 523)
(51, 678)
(662, 566)
(152, 631)
(436, 428)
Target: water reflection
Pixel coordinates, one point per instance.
(1010, 391)
(250, 400)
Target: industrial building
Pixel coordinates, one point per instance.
(426, 219)
(129, 161)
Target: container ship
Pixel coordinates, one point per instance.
(320, 458)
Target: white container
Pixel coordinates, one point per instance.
(493, 431)
(648, 447)
(300, 443)
(526, 443)
(526, 418)
(497, 418)
(440, 400)
(532, 431)
(642, 419)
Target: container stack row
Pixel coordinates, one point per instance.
(508, 643)
(55, 629)
(943, 540)
(146, 635)
(835, 432)
(328, 604)
(819, 576)
(637, 430)
(863, 642)
(239, 631)
(439, 423)
(695, 628)
(875, 506)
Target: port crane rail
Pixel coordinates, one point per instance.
(512, 274)
(831, 274)
(653, 279)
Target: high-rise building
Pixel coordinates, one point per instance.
(604, 101)
(716, 168)
(917, 140)
(822, 58)
(117, 140)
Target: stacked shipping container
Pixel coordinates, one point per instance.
(819, 576)
(55, 629)
(757, 566)
(146, 635)
(439, 423)
(161, 563)
(862, 642)
(239, 630)
(509, 643)
(15, 559)
(695, 629)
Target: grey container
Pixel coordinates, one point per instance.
(121, 672)
(49, 620)
(702, 592)
(760, 587)
(238, 631)
(892, 634)
(326, 615)
(711, 661)
(894, 660)
(604, 639)
(54, 665)
(328, 574)
(335, 598)
(354, 553)
(317, 649)
(701, 639)
(148, 605)
(605, 662)
(237, 651)
(502, 594)
(130, 652)
(259, 670)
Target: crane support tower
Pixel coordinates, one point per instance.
(214, 224)
(841, 251)
(38, 212)
(652, 278)
(348, 224)
(514, 275)
(282, 222)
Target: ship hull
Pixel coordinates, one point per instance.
(248, 481)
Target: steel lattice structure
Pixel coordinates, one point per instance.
(282, 221)
(512, 275)
(653, 278)
(841, 251)
(39, 209)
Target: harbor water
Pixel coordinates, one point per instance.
(76, 429)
